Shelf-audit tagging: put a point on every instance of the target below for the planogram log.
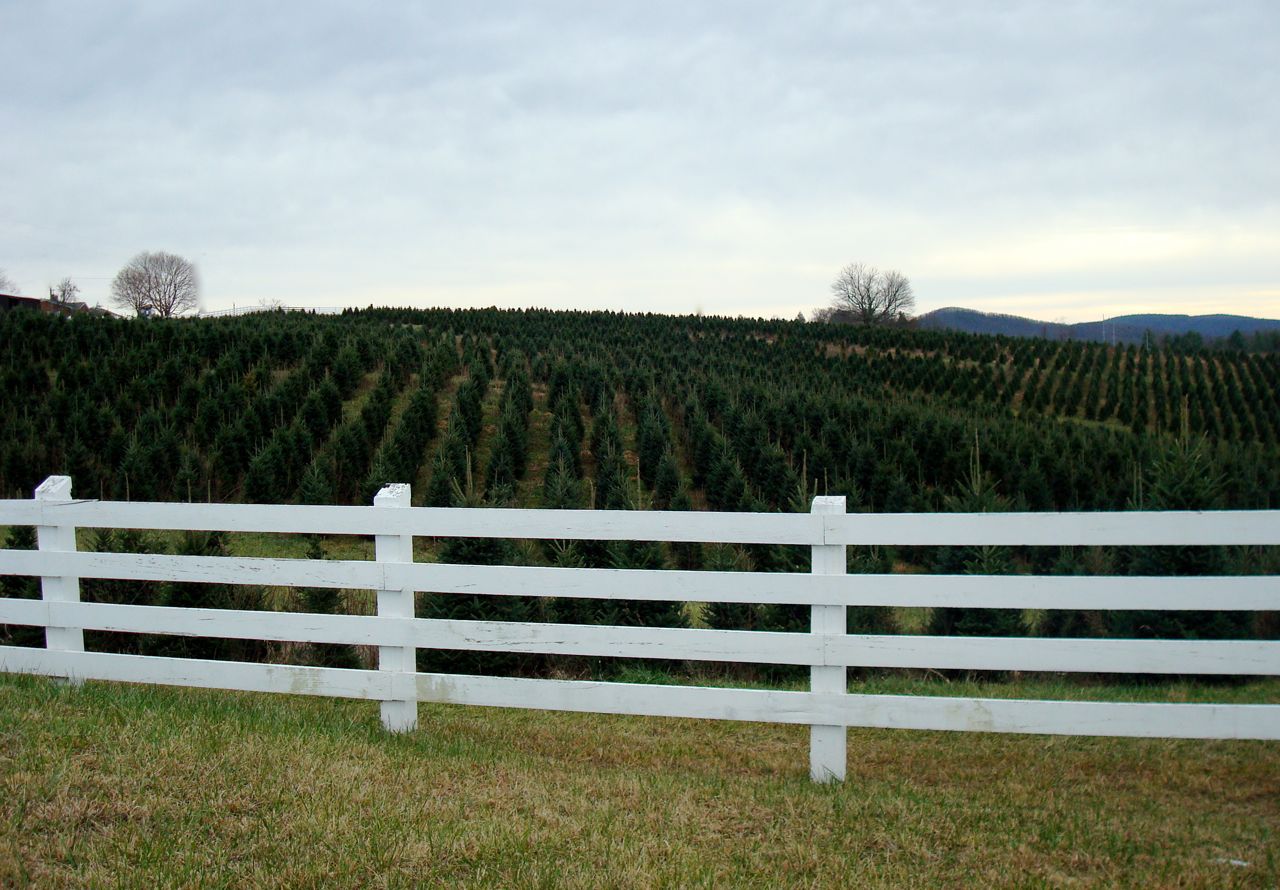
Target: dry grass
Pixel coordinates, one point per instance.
(528, 489)
(112, 785)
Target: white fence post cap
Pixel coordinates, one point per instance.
(55, 488)
(393, 494)
(829, 503)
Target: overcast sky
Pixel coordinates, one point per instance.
(1058, 160)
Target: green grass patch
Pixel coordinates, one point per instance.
(116, 785)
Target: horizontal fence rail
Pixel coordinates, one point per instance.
(1177, 528)
(1232, 593)
(827, 649)
(1137, 720)
(1240, 657)
(436, 522)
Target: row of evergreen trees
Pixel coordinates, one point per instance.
(184, 409)
(645, 411)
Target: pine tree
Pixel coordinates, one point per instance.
(130, 593)
(476, 551)
(666, 482)
(20, 537)
(203, 595)
(723, 615)
(316, 486)
(1181, 477)
(979, 495)
(325, 601)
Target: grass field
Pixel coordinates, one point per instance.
(114, 785)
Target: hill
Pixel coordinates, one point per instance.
(1120, 329)
(545, 408)
(621, 411)
(106, 785)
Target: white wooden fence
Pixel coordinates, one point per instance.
(827, 708)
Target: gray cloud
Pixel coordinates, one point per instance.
(665, 155)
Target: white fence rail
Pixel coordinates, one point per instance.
(827, 708)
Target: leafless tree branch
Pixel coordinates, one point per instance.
(160, 283)
(865, 295)
(65, 291)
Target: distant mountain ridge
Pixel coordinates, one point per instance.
(1120, 329)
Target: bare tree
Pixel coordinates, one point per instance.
(158, 283)
(865, 295)
(897, 299)
(7, 284)
(65, 291)
(854, 291)
(129, 290)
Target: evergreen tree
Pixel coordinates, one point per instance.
(1181, 477)
(326, 601)
(25, 587)
(978, 496)
(130, 593)
(203, 595)
(317, 482)
(666, 482)
(476, 551)
(730, 616)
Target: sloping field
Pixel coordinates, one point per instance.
(112, 785)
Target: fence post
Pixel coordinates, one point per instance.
(398, 714)
(59, 588)
(828, 744)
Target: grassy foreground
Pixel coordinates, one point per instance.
(115, 785)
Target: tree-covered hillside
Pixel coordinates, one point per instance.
(570, 409)
(560, 408)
